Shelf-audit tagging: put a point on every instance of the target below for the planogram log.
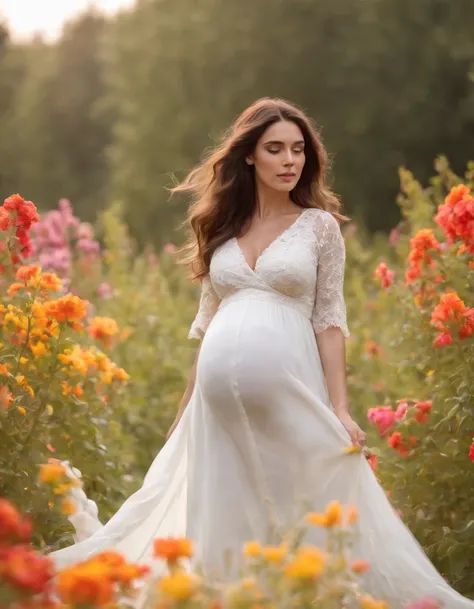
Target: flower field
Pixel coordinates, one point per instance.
(94, 360)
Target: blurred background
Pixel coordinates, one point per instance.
(109, 99)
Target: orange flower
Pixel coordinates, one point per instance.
(367, 602)
(14, 288)
(332, 517)
(352, 514)
(452, 310)
(360, 566)
(69, 308)
(423, 241)
(68, 507)
(28, 272)
(50, 282)
(85, 584)
(457, 194)
(173, 549)
(6, 398)
(372, 348)
(51, 473)
(103, 329)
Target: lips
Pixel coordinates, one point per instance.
(286, 175)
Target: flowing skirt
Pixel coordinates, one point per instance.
(257, 447)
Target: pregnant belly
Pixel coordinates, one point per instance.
(249, 354)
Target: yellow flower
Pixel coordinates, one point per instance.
(352, 450)
(62, 489)
(21, 410)
(51, 472)
(308, 563)
(179, 586)
(334, 514)
(319, 520)
(332, 517)
(252, 549)
(38, 349)
(275, 554)
(23, 360)
(367, 602)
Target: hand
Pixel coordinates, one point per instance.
(358, 436)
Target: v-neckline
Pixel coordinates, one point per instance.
(277, 238)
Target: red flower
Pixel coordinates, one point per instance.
(383, 417)
(25, 569)
(456, 217)
(443, 339)
(385, 275)
(471, 451)
(13, 526)
(396, 442)
(424, 408)
(5, 220)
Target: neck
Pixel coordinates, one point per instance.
(271, 202)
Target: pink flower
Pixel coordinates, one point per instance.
(169, 248)
(383, 417)
(105, 290)
(88, 246)
(471, 451)
(394, 236)
(401, 410)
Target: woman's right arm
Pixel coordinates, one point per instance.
(186, 396)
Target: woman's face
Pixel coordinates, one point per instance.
(279, 156)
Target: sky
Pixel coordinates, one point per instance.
(26, 17)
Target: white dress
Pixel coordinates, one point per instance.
(259, 444)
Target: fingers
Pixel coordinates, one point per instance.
(358, 437)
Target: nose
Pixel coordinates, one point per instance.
(288, 159)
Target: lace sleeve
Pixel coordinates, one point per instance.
(208, 305)
(330, 307)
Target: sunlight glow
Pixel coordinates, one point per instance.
(27, 17)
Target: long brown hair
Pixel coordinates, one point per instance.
(223, 184)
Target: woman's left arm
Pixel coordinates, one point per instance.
(329, 322)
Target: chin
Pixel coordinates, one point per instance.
(286, 187)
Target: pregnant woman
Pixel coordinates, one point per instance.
(264, 424)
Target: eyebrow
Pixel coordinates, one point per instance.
(277, 142)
